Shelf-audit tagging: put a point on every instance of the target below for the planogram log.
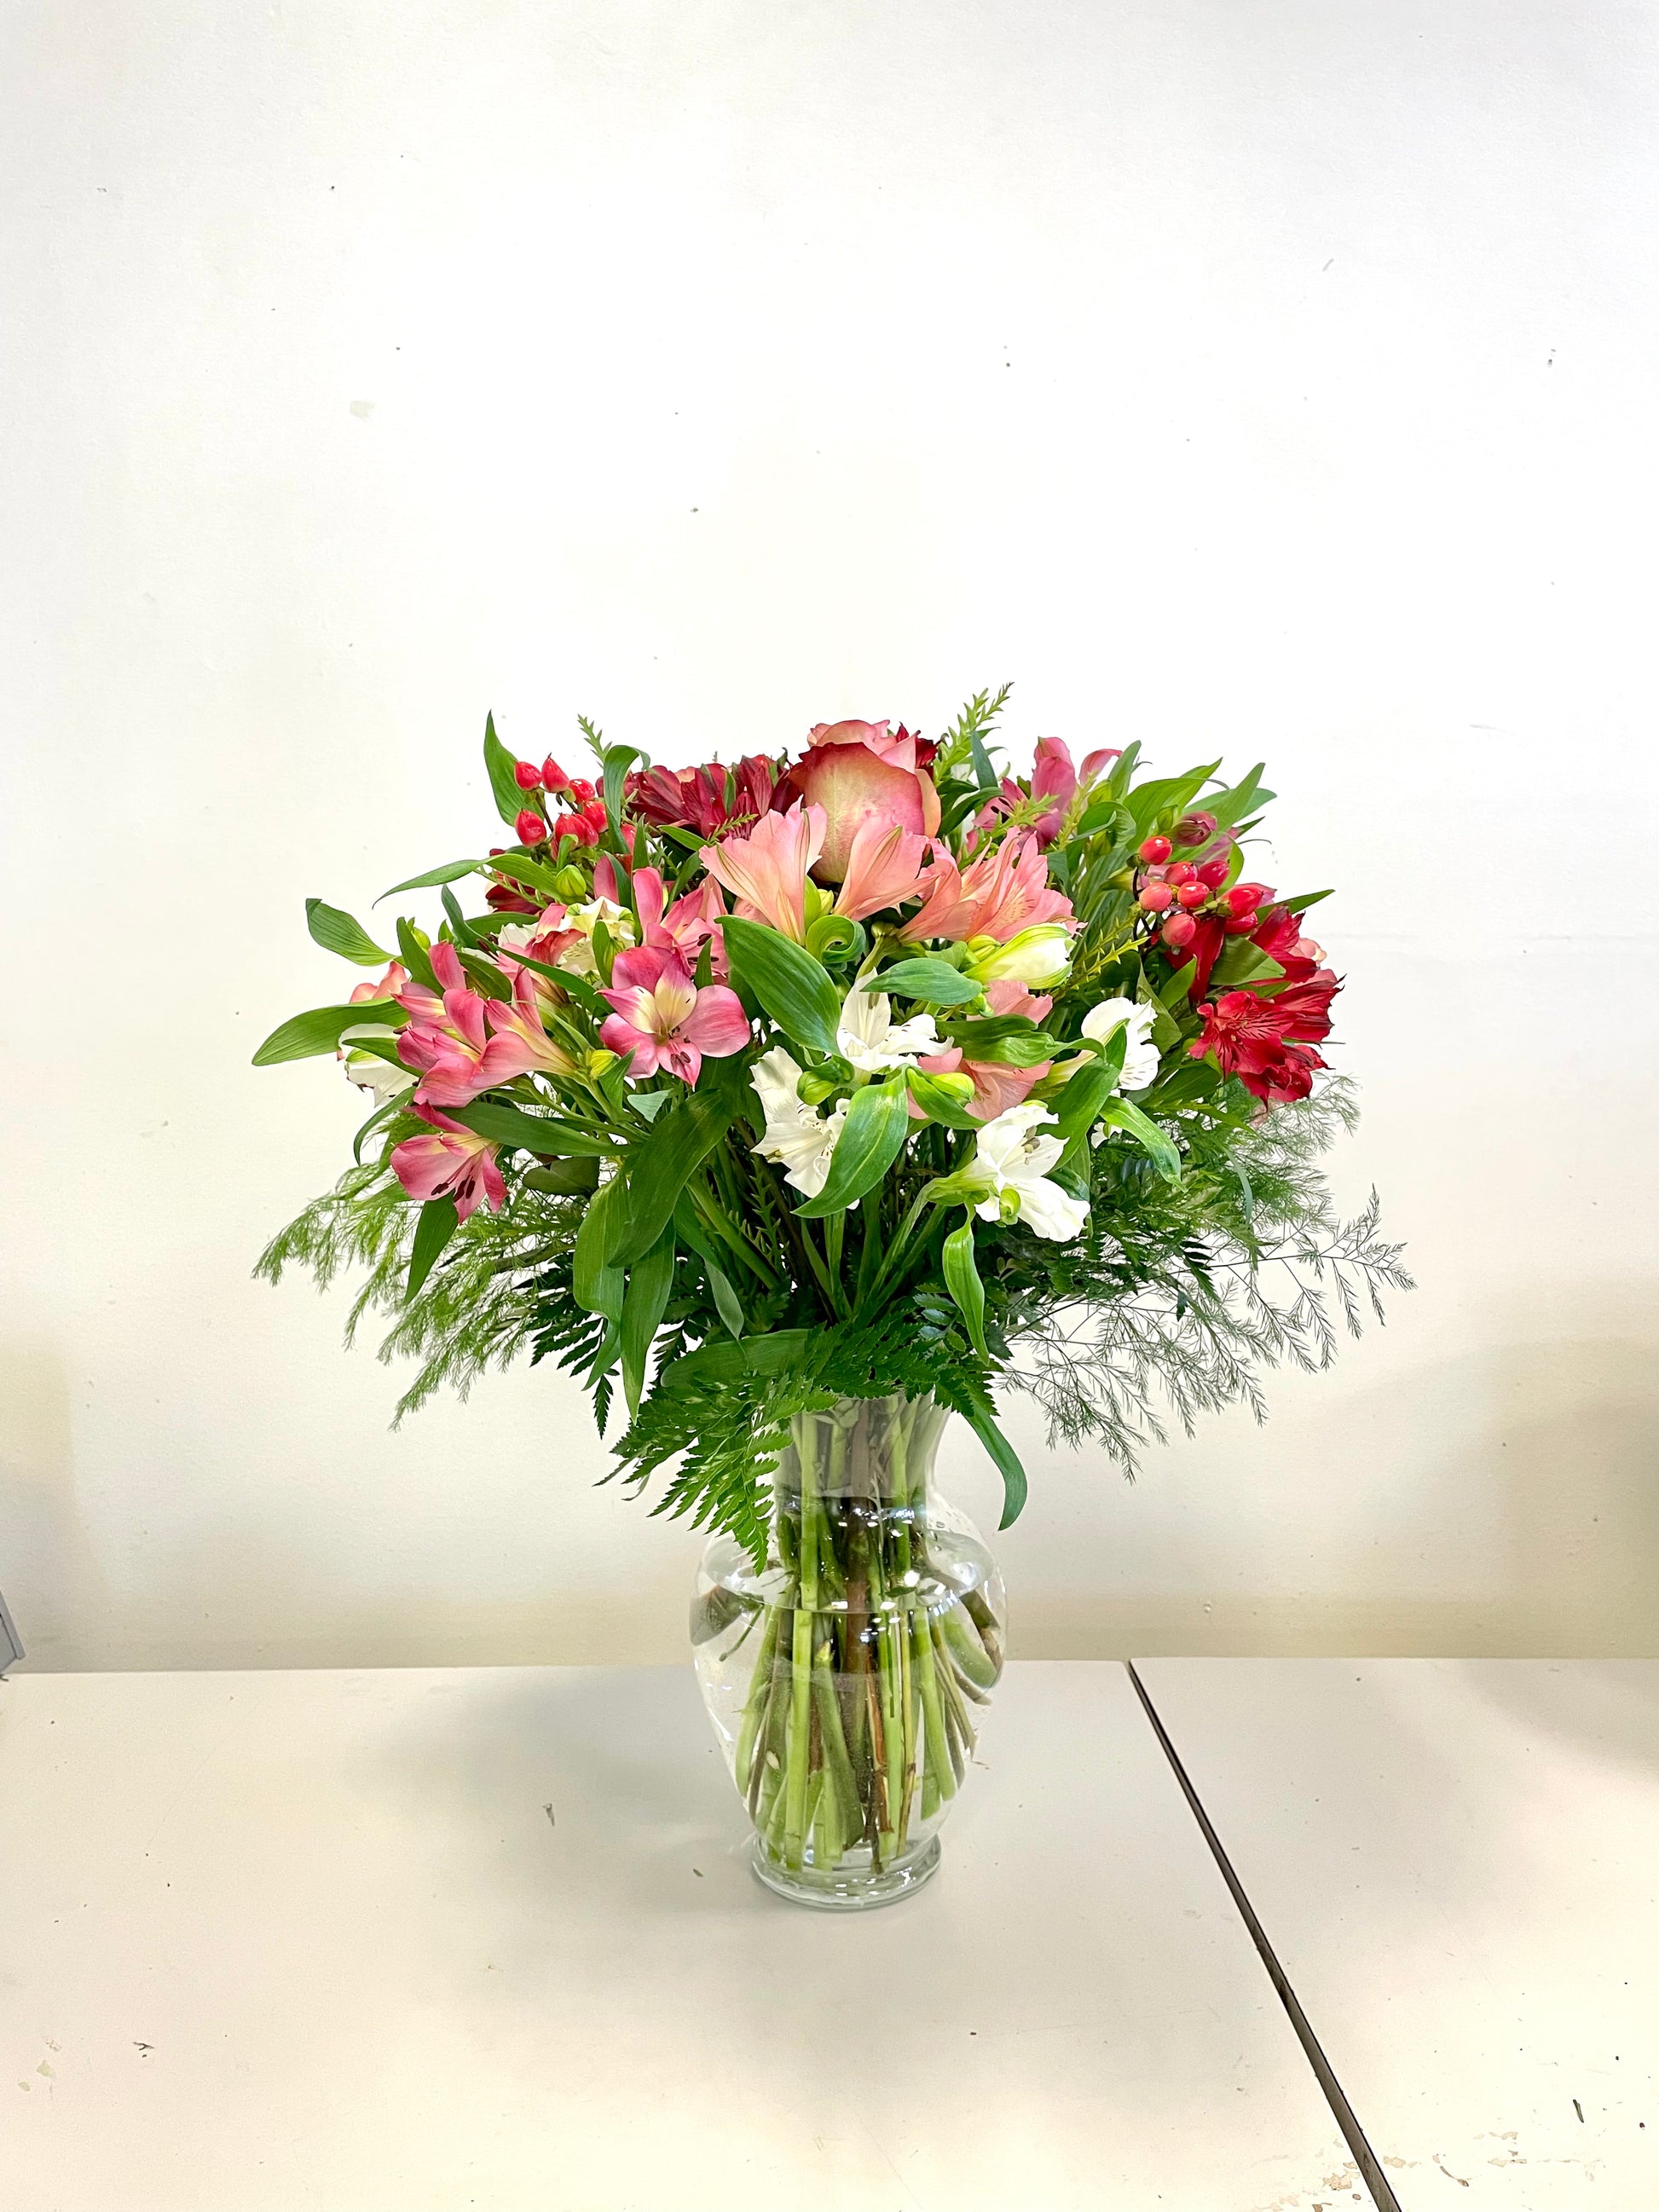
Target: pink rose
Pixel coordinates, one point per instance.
(860, 773)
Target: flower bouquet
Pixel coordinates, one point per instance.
(803, 1103)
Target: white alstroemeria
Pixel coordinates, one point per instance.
(386, 1079)
(579, 957)
(875, 1043)
(1036, 957)
(1010, 1164)
(1139, 1054)
(797, 1135)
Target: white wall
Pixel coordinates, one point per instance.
(1275, 378)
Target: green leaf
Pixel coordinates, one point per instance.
(532, 1132)
(1300, 905)
(1008, 1040)
(414, 955)
(485, 975)
(1169, 794)
(302, 1036)
(461, 928)
(1077, 1106)
(525, 868)
(935, 982)
(339, 932)
(871, 1137)
(1241, 962)
(498, 764)
(1230, 807)
(984, 769)
(649, 1282)
(377, 1119)
(437, 1225)
(689, 1229)
(616, 761)
(962, 1282)
(1007, 1462)
(565, 1178)
(786, 981)
(596, 1281)
(1121, 1114)
(939, 1104)
(660, 1162)
(1180, 986)
(451, 872)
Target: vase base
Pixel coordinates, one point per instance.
(846, 1889)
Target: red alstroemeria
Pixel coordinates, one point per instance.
(1000, 893)
(1268, 1042)
(664, 1020)
(704, 798)
(861, 773)
(451, 1163)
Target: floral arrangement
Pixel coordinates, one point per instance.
(876, 1072)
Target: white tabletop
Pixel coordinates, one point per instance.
(1456, 1863)
(439, 1938)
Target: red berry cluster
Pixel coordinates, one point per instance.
(1183, 891)
(584, 817)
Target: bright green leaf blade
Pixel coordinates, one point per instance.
(336, 930)
(484, 975)
(437, 1225)
(532, 1132)
(525, 868)
(727, 1303)
(414, 955)
(451, 872)
(871, 1137)
(596, 1282)
(649, 1282)
(617, 759)
(1300, 905)
(1008, 1463)
(1241, 962)
(304, 1036)
(935, 982)
(1121, 1114)
(1077, 1106)
(787, 981)
(962, 1282)
(1009, 1040)
(565, 1178)
(498, 764)
(939, 1104)
(660, 1162)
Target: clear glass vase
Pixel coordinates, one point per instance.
(846, 1679)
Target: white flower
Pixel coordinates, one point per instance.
(1037, 956)
(874, 1043)
(1011, 1164)
(796, 1133)
(578, 958)
(370, 1073)
(1139, 1053)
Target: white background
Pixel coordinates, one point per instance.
(1269, 380)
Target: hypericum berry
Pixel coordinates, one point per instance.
(530, 827)
(526, 775)
(1182, 872)
(1214, 872)
(1244, 898)
(553, 777)
(1195, 830)
(1153, 850)
(1191, 895)
(1157, 897)
(582, 791)
(1242, 925)
(1180, 929)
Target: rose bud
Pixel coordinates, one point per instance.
(1191, 895)
(553, 777)
(1244, 898)
(1155, 897)
(1180, 929)
(1195, 830)
(1183, 872)
(530, 827)
(1152, 850)
(526, 775)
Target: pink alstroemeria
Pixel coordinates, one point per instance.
(1002, 892)
(451, 1162)
(1052, 777)
(884, 868)
(996, 1087)
(664, 1020)
(518, 1042)
(766, 870)
(445, 1039)
(544, 939)
(394, 982)
(688, 924)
